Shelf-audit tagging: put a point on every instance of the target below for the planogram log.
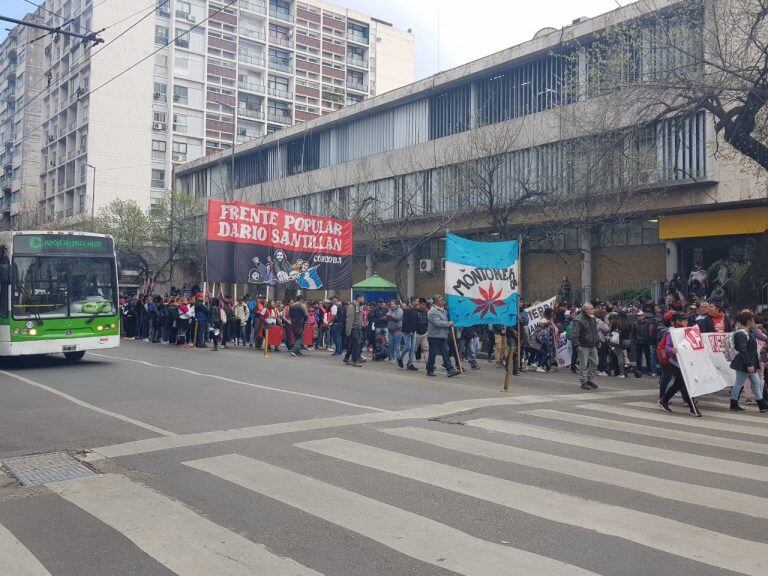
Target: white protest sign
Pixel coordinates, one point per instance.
(536, 312)
(704, 367)
(564, 350)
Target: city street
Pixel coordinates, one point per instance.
(219, 464)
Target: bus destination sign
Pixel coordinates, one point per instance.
(62, 244)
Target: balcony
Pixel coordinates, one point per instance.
(252, 60)
(281, 66)
(355, 36)
(280, 41)
(280, 93)
(357, 62)
(7, 160)
(280, 14)
(359, 86)
(253, 34)
(255, 7)
(5, 183)
(255, 87)
(250, 113)
(279, 118)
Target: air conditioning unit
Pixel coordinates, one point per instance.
(53, 162)
(178, 157)
(426, 265)
(157, 95)
(51, 137)
(442, 264)
(191, 18)
(158, 125)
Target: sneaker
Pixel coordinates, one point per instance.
(452, 373)
(695, 414)
(749, 401)
(586, 386)
(540, 369)
(475, 367)
(602, 374)
(293, 353)
(400, 362)
(431, 374)
(621, 376)
(664, 405)
(363, 357)
(357, 364)
(592, 385)
(412, 368)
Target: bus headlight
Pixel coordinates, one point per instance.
(99, 328)
(33, 331)
(16, 331)
(113, 325)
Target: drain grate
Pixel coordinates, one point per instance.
(40, 469)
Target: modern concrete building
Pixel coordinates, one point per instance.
(21, 61)
(201, 76)
(634, 203)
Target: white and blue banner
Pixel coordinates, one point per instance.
(481, 281)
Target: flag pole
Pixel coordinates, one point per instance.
(519, 295)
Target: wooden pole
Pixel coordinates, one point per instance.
(456, 349)
(519, 295)
(506, 370)
(194, 335)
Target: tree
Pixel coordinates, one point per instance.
(156, 240)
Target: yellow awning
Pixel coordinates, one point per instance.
(715, 223)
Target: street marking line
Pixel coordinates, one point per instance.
(736, 417)
(653, 431)
(406, 532)
(84, 404)
(200, 438)
(250, 384)
(183, 541)
(16, 559)
(659, 533)
(641, 451)
(682, 419)
(715, 498)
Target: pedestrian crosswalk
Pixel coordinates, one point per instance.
(524, 461)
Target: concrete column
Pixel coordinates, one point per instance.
(369, 265)
(410, 289)
(672, 258)
(585, 251)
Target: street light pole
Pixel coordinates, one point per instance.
(93, 192)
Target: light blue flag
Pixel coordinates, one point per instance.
(481, 281)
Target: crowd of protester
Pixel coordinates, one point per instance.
(607, 340)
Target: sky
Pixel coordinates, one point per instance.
(447, 32)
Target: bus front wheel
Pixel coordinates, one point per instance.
(74, 356)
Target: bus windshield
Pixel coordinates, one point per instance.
(63, 286)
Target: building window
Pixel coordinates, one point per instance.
(158, 117)
(161, 34)
(180, 123)
(161, 92)
(182, 40)
(181, 95)
(161, 64)
(158, 149)
(183, 9)
(158, 178)
(179, 151)
(182, 63)
(162, 8)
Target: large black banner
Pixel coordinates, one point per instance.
(261, 245)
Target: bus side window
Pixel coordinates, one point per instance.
(5, 288)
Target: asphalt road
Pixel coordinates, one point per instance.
(229, 464)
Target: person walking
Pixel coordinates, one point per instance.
(437, 336)
(354, 330)
(747, 362)
(585, 339)
(202, 314)
(242, 315)
(298, 315)
(642, 334)
(679, 320)
(215, 322)
(420, 342)
(394, 332)
(410, 325)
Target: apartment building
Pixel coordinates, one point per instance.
(510, 124)
(21, 60)
(182, 79)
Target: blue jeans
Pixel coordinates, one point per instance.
(336, 337)
(409, 349)
(395, 343)
(298, 336)
(202, 333)
(754, 378)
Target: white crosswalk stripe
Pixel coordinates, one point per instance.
(406, 532)
(16, 559)
(602, 444)
(742, 417)
(653, 431)
(663, 534)
(183, 541)
(686, 420)
(670, 489)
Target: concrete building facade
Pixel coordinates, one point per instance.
(21, 62)
(200, 76)
(411, 153)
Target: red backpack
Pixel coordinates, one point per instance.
(661, 350)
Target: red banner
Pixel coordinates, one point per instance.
(262, 245)
(266, 226)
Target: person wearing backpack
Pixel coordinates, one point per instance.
(747, 362)
(661, 354)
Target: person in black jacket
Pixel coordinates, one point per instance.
(716, 321)
(585, 340)
(747, 362)
(642, 336)
(410, 324)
